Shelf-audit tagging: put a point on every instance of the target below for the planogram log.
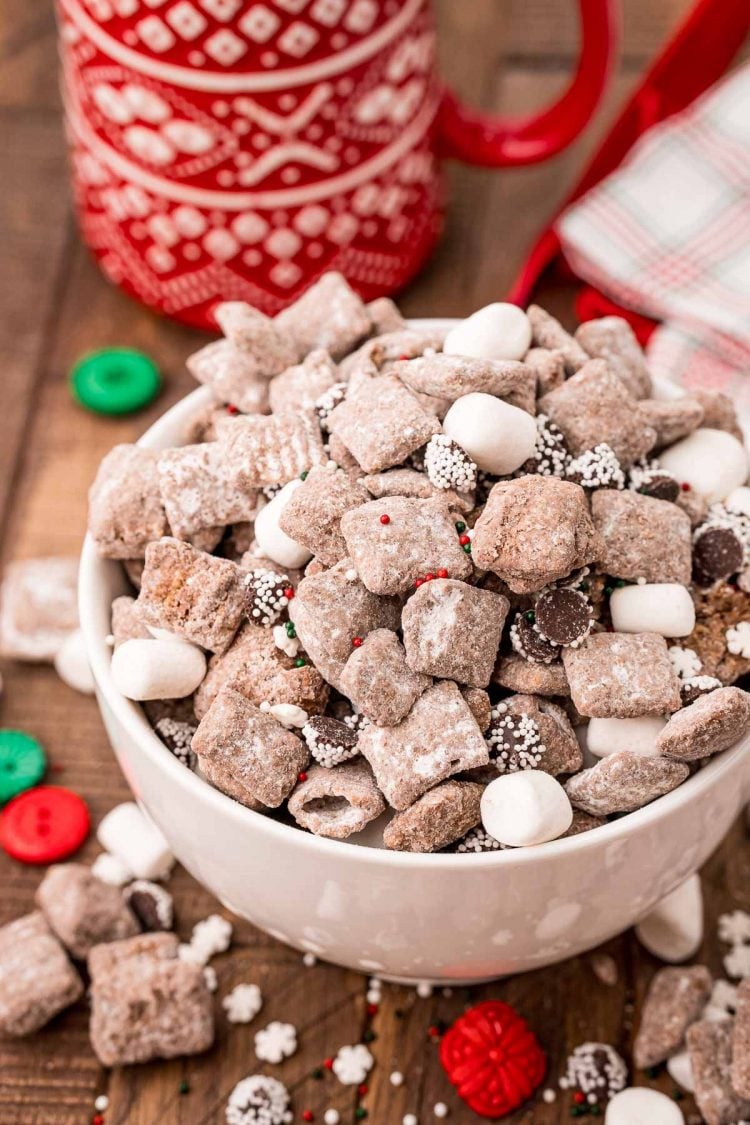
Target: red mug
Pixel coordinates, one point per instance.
(237, 149)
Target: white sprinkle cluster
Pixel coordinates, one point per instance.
(478, 840)
(685, 661)
(701, 684)
(327, 402)
(258, 1100)
(597, 468)
(595, 1069)
(178, 737)
(514, 740)
(448, 465)
(267, 598)
(243, 1003)
(209, 937)
(276, 1042)
(738, 639)
(551, 455)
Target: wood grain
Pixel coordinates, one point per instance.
(55, 305)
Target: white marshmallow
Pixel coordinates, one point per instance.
(712, 462)
(610, 736)
(638, 1105)
(738, 501)
(680, 1070)
(166, 635)
(72, 663)
(288, 714)
(528, 807)
(657, 607)
(498, 331)
(498, 436)
(673, 931)
(144, 669)
(133, 838)
(273, 542)
(111, 869)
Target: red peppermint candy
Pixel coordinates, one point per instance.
(492, 1058)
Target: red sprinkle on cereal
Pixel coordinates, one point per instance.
(356, 642)
(385, 518)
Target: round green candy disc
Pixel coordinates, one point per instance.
(115, 381)
(22, 763)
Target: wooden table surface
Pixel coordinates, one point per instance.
(54, 305)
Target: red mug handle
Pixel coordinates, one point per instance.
(479, 138)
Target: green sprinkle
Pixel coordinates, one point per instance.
(369, 1036)
(576, 1111)
(652, 1071)
(299, 662)
(678, 1095)
(318, 1073)
(290, 629)
(608, 590)
(460, 527)
(584, 587)
(303, 476)
(619, 583)
(530, 616)
(595, 1111)
(360, 1112)
(184, 1086)
(467, 548)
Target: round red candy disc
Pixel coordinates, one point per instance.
(492, 1058)
(44, 825)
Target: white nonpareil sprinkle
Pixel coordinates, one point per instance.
(276, 1042)
(111, 869)
(331, 1117)
(243, 1003)
(209, 937)
(373, 996)
(424, 990)
(477, 840)
(352, 1064)
(738, 639)
(397, 1078)
(409, 1119)
(549, 1096)
(266, 597)
(258, 1100)
(550, 455)
(685, 661)
(309, 959)
(440, 1109)
(514, 741)
(101, 1103)
(595, 1068)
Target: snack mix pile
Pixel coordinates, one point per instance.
(394, 569)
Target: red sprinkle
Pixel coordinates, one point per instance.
(433, 1032)
(357, 642)
(442, 573)
(429, 577)
(328, 1064)
(97, 1119)
(385, 519)
(403, 356)
(302, 776)
(685, 486)
(362, 1089)
(463, 540)
(231, 408)
(419, 582)
(579, 1097)
(289, 592)
(372, 1009)
(308, 1115)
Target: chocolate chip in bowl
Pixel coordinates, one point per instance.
(412, 592)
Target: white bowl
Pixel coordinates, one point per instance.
(408, 917)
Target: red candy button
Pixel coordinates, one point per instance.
(492, 1058)
(44, 824)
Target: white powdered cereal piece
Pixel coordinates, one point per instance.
(712, 462)
(673, 930)
(496, 436)
(497, 331)
(133, 838)
(110, 869)
(352, 1064)
(521, 809)
(637, 1105)
(609, 736)
(276, 1042)
(72, 664)
(243, 1003)
(274, 543)
(144, 670)
(659, 607)
(685, 661)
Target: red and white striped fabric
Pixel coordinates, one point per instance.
(668, 235)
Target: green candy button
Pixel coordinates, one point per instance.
(115, 381)
(22, 763)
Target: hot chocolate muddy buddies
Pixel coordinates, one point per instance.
(390, 575)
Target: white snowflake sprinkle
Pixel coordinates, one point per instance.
(276, 1042)
(209, 937)
(352, 1064)
(734, 928)
(685, 661)
(737, 961)
(738, 639)
(258, 1100)
(243, 1003)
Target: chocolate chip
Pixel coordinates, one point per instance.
(661, 486)
(717, 553)
(563, 616)
(529, 644)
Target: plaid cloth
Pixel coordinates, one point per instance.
(668, 234)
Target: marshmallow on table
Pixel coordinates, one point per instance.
(712, 462)
(673, 931)
(130, 836)
(609, 736)
(72, 664)
(658, 607)
(498, 331)
(160, 669)
(274, 543)
(528, 807)
(497, 436)
(638, 1105)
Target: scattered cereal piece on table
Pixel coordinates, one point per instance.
(710, 1049)
(38, 607)
(127, 833)
(675, 1000)
(36, 978)
(82, 910)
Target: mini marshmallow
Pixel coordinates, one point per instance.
(274, 543)
(673, 931)
(738, 501)
(680, 1070)
(528, 807)
(638, 1104)
(712, 462)
(497, 436)
(130, 836)
(145, 670)
(111, 869)
(609, 736)
(659, 607)
(498, 331)
(72, 664)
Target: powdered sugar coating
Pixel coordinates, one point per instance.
(623, 782)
